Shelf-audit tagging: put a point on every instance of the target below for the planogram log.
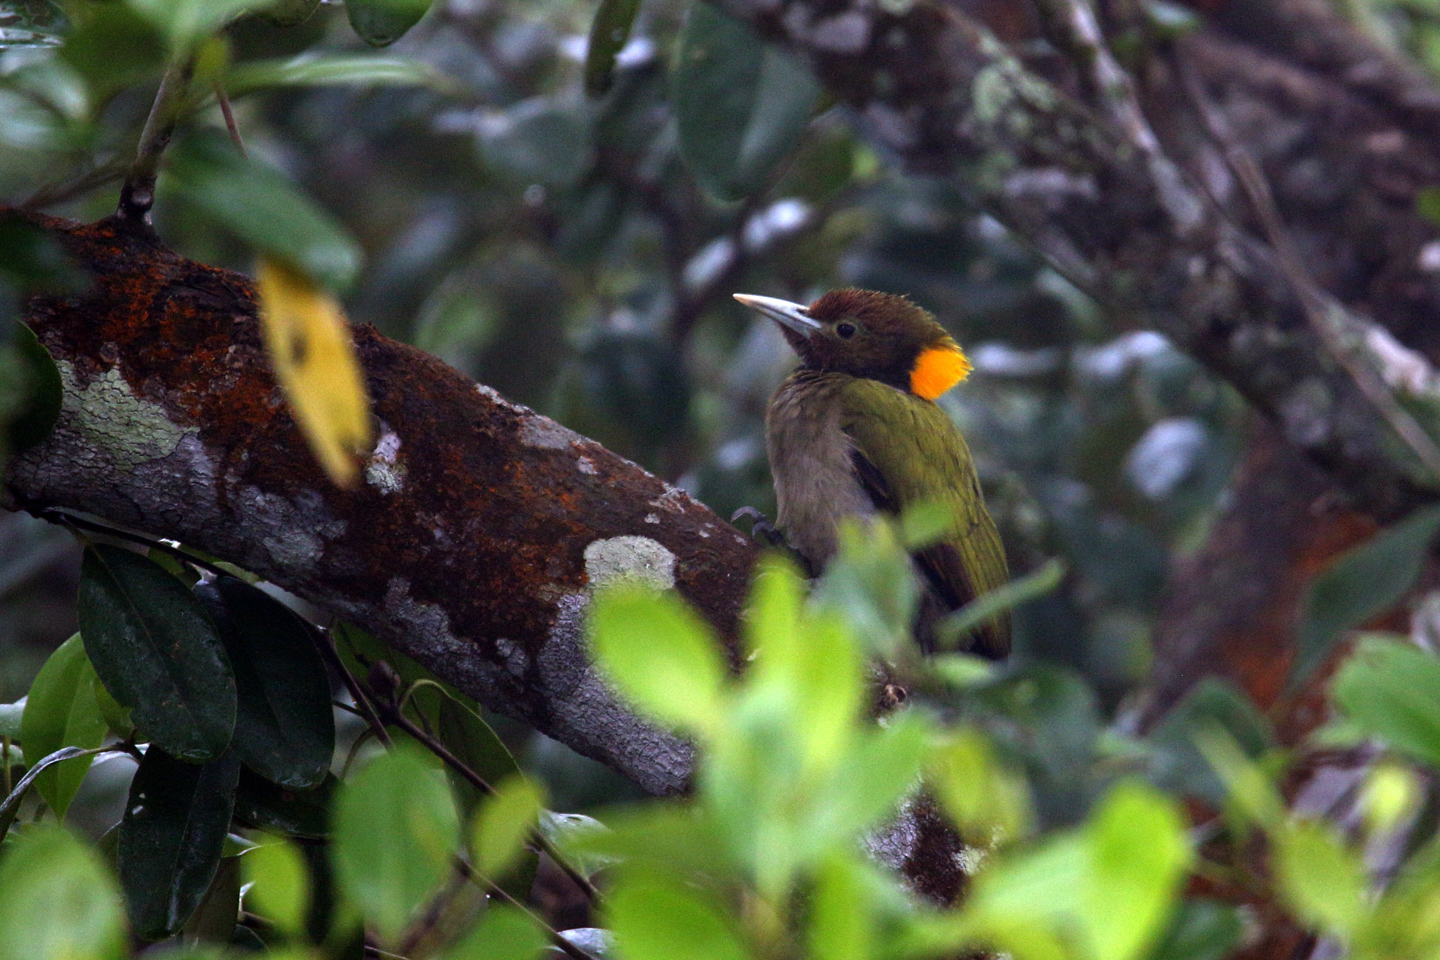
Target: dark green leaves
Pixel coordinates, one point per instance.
(741, 105)
(1362, 584)
(382, 22)
(157, 652)
(284, 729)
(262, 207)
(62, 711)
(608, 33)
(172, 837)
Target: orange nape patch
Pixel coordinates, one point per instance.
(937, 369)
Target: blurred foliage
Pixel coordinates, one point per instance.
(558, 198)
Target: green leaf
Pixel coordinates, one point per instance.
(157, 652)
(298, 813)
(656, 916)
(113, 49)
(279, 885)
(502, 825)
(10, 718)
(336, 69)
(660, 655)
(1391, 689)
(263, 207)
(396, 832)
(61, 712)
(1248, 786)
(841, 923)
(57, 900)
(11, 804)
(288, 13)
(741, 105)
(470, 739)
(284, 725)
(1178, 765)
(608, 33)
(1139, 854)
(1007, 597)
(44, 393)
(116, 716)
(1321, 879)
(188, 22)
(172, 837)
(1201, 930)
(542, 140)
(504, 934)
(1362, 584)
(214, 919)
(382, 22)
(988, 802)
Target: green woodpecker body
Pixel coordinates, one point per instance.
(855, 431)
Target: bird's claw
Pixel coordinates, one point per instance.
(761, 529)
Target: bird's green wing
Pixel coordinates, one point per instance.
(907, 451)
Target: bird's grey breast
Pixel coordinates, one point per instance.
(810, 460)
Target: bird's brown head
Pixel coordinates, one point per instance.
(879, 336)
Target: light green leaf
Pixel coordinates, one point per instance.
(988, 802)
(10, 805)
(57, 900)
(262, 207)
(1250, 789)
(504, 934)
(1391, 689)
(396, 832)
(502, 825)
(1139, 854)
(279, 885)
(10, 714)
(382, 22)
(187, 22)
(1321, 879)
(61, 712)
(842, 922)
(336, 69)
(660, 655)
(657, 916)
(741, 105)
(1362, 584)
(1007, 597)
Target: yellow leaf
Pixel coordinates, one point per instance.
(314, 360)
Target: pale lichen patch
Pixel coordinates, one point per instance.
(586, 466)
(546, 434)
(629, 558)
(128, 431)
(673, 499)
(493, 395)
(384, 470)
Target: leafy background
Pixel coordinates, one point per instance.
(571, 235)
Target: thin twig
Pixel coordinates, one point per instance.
(494, 890)
(70, 520)
(325, 644)
(229, 116)
(137, 196)
(1319, 307)
(479, 782)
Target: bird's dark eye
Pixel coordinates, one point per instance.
(845, 330)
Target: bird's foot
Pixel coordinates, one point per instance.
(762, 531)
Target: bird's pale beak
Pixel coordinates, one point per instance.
(792, 316)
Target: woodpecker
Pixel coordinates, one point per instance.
(855, 430)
